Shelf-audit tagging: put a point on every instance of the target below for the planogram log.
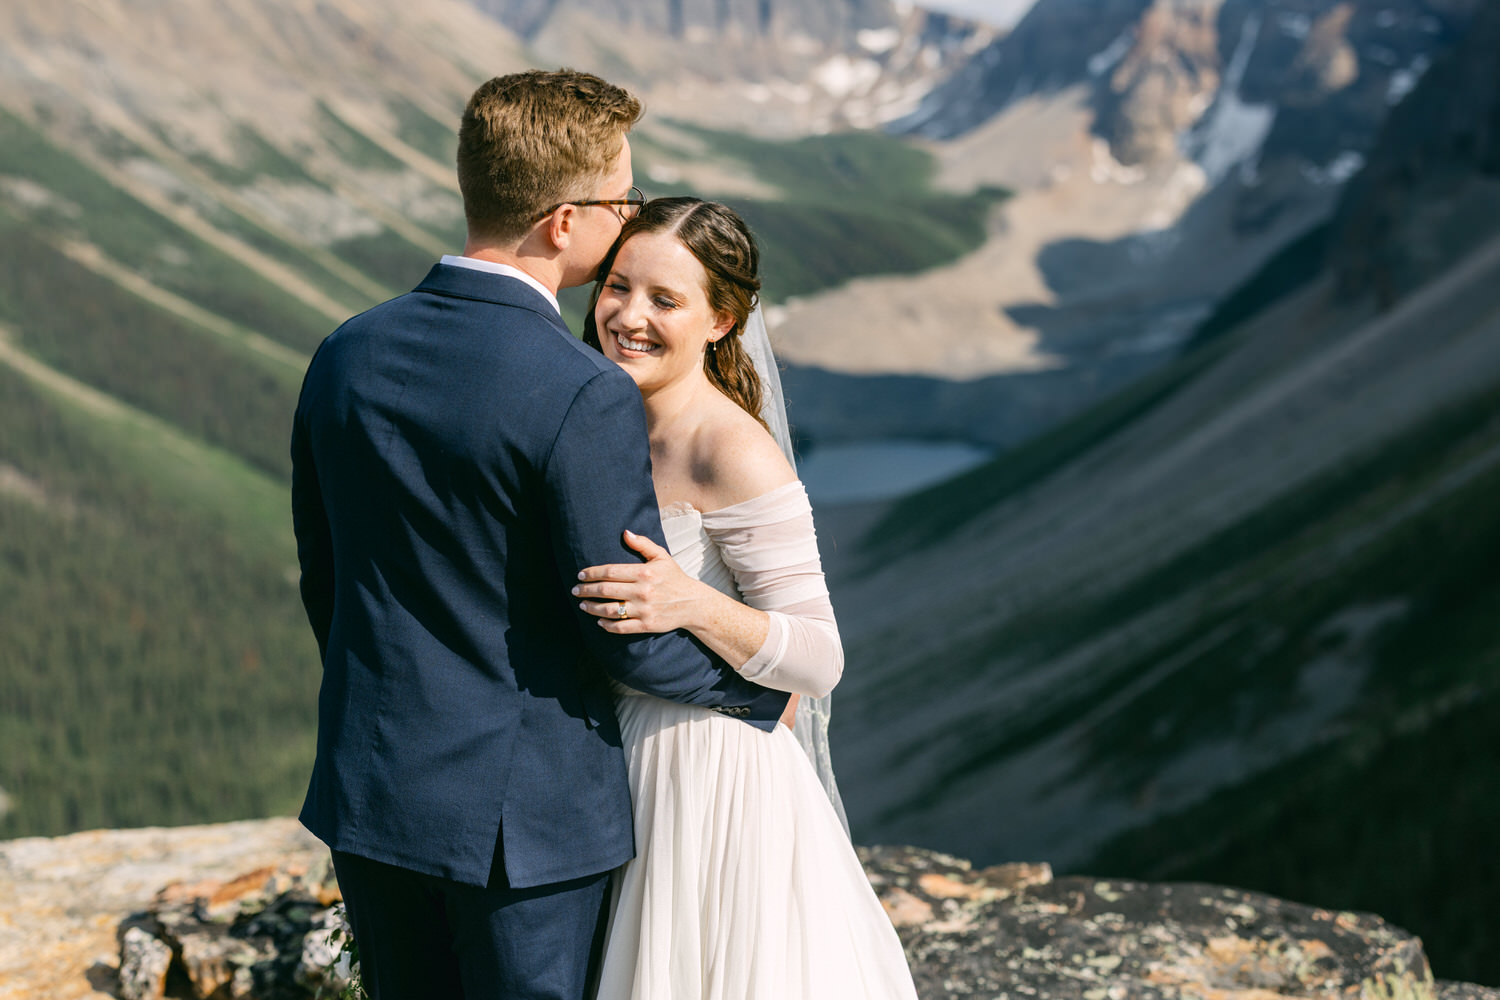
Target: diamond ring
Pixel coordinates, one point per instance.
(620, 611)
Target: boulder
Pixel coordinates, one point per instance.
(1015, 931)
(250, 910)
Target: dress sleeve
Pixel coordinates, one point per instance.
(771, 547)
(598, 483)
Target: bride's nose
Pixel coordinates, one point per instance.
(631, 314)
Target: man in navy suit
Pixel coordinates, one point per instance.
(457, 457)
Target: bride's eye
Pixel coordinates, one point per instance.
(616, 286)
(662, 302)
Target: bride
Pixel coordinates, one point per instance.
(745, 885)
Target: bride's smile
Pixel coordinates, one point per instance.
(638, 346)
(653, 311)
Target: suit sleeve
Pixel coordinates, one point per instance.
(314, 538)
(598, 477)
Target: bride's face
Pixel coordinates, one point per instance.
(653, 315)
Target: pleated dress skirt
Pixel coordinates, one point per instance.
(744, 885)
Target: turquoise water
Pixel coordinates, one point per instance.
(880, 470)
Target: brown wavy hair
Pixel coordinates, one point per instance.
(721, 241)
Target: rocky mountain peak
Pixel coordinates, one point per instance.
(1431, 188)
(1164, 82)
(1156, 70)
(836, 21)
(1328, 61)
(764, 65)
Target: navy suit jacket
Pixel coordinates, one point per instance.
(457, 457)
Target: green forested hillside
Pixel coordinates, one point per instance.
(849, 204)
(155, 320)
(1390, 810)
(156, 667)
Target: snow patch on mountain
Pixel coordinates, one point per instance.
(997, 13)
(1234, 130)
(842, 76)
(1336, 171)
(1297, 25)
(878, 41)
(1106, 60)
(1231, 134)
(1404, 80)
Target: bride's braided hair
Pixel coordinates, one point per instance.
(717, 236)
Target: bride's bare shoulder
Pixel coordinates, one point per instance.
(737, 459)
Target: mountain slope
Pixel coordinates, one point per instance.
(1160, 153)
(189, 202)
(152, 628)
(1239, 623)
(1280, 558)
(1054, 565)
(769, 67)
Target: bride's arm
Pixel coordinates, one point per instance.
(771, 547)
(784, 636)
(659, 597)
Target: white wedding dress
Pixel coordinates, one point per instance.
(744, 885)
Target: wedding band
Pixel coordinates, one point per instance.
(620, 611)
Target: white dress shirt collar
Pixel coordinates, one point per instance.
(475, 264)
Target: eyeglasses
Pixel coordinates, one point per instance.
(628, 208)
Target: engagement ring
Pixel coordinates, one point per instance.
(620, 611)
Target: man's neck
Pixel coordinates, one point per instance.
(544, 270)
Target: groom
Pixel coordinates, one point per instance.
(457, 457)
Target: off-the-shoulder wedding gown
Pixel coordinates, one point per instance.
(745, 885)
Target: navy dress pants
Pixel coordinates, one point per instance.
(421, 936)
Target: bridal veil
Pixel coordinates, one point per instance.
(811, 726)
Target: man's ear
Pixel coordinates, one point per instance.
(559, 228)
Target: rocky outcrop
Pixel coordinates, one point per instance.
(247, 910)
(1320, 75)
(1328, 61)
(275, 933)
(1056, 45)
(766, 65)
(1164, 82)
(66, 902)
(1431, 188)
(828, 20)
(1013, 930)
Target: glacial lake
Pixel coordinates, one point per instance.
(880, 470)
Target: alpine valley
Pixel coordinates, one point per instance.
(1218, 280)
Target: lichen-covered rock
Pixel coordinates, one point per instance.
(1465, 991)
(326, 966)
(63, 900)
(247, 911)
(1013, 931)
(144, 960)
(247, 938)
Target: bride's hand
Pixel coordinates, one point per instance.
(656, 594)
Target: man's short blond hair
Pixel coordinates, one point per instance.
(530, 140)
